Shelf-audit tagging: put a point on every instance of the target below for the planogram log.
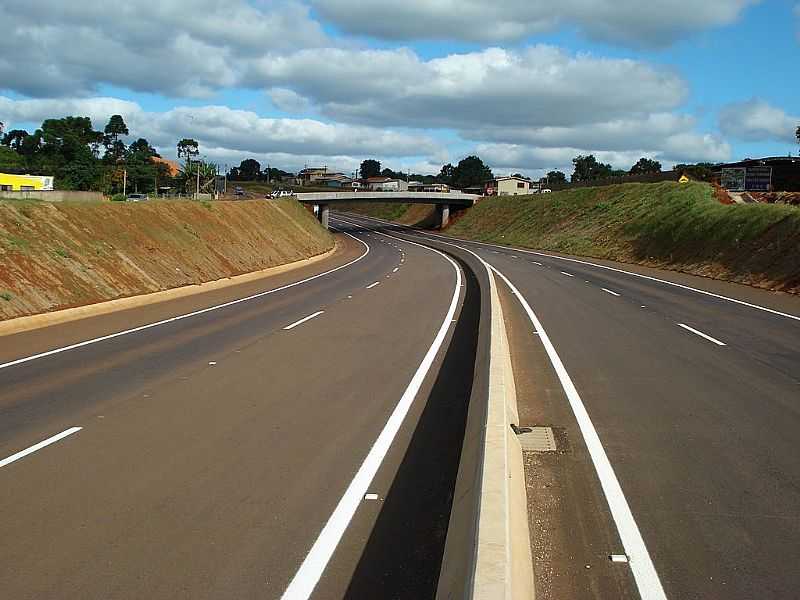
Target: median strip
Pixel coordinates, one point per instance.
(39, 446)
(303, 320)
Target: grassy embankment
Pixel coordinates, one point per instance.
(668, 225)
(58, 255)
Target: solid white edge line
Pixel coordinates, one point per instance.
(644, 572)
(616, 270)
(303, 320)
(39, 446)
(701, 334)
(607, 291)
(567, 274)
(103, 338)
(372, 285)
(642, 567)
(315, 562)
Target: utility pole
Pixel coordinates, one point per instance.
(197, 193)
(125, 182)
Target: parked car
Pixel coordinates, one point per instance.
(238, 191)
(137, 197)
(546, 190)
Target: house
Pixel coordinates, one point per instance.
(309, 175)
(510, 186)
(334, 180)
(385, 184)
(25, 183)
(769, 174)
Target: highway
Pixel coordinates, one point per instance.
(299, 436)
(271, 439)
(678, 411)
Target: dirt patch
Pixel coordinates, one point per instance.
(55, 256)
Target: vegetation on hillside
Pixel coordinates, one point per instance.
(665, 224)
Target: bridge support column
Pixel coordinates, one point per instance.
(444, 215)
(323, 214)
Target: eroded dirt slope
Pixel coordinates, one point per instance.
(56, 256)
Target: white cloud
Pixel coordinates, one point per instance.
(223, 130)
(52, 48)
(630, 22)
(533, 87)
(288, 100)
(756, 120)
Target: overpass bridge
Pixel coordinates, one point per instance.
(442, 200)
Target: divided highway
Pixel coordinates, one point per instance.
(680, 412)
(241, 443)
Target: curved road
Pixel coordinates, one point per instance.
(203, 456)
(694, 397)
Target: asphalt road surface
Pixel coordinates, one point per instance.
(254, 449)
(695, 402)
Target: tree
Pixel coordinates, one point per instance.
(469, 172)
(10, 159)
(370, 168)
(588, 169)
(249, 169)
(520, 175)
(556, 178)
(698, 172)
(188, 148)
(644, 166)
(142, 149)
(446, 174)
(14, 139)
(115, 148)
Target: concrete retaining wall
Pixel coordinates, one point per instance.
(54, 196)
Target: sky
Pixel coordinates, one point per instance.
(525, 84)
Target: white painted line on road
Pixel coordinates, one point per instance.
(395, 270)
(212, 362)
(701, 334)
(644, 572)
(631, 273)
(607, 291)
(537, 263)
(39, 446)
(195, 313)
(370, 496)
(307, 577)
(304, 319)
(372, 285)
(618, 558)
(567, 274)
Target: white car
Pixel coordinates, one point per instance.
(546, 191)
(137, 197)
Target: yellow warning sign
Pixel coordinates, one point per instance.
(683, 179)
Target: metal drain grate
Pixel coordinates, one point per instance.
(537, 439)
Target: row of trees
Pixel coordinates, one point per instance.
(250, 170)
(81, 158)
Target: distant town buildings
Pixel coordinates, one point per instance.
(770, 174)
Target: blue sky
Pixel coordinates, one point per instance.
(526, 84)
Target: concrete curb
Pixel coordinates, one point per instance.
(504, 564)
(487, 553)
(66, 315)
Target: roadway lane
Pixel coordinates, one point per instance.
(214, 448)
(702, 436)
